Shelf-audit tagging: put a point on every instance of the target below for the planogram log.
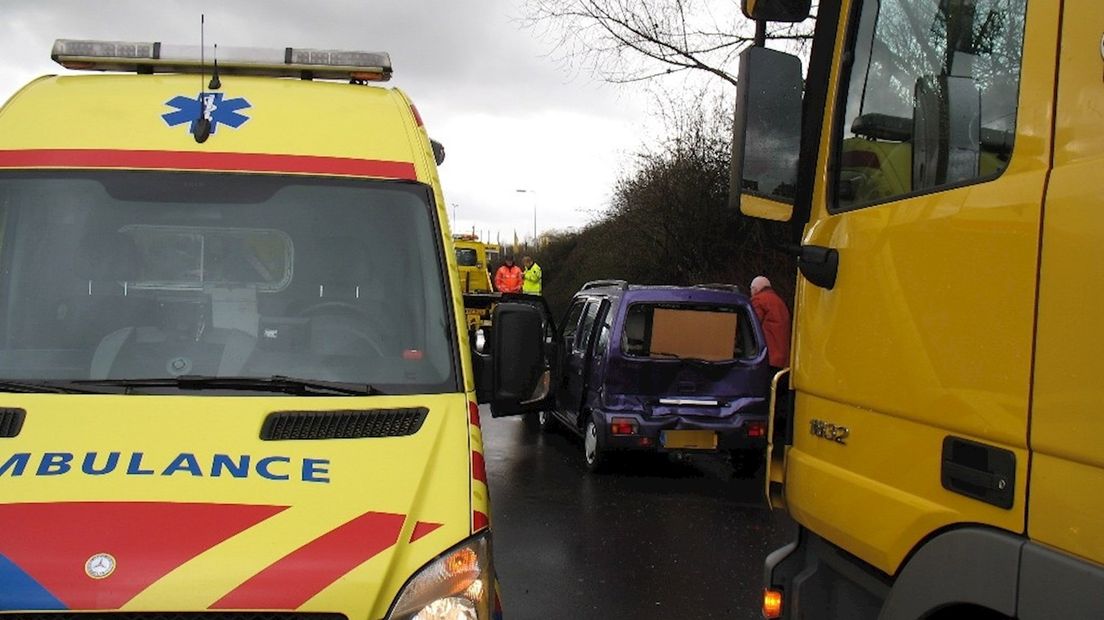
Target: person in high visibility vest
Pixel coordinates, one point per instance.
(532, 278)
(508, 277)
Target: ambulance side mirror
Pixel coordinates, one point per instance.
(438, 152)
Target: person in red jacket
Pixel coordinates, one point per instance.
(774, 316)
(508, 278)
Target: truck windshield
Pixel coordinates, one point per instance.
(681, 331)
(466, 257)
(140, 275)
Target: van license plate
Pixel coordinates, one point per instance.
(689, 440)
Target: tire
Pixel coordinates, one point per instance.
(746, 463)
(532, 424)
(594, 453)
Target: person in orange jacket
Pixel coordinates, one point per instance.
(774, 316)
(509, 276)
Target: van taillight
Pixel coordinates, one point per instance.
(622, 426)
(757, 429)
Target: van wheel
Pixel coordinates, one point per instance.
(746, 463)
(593, 451)
(538, 422)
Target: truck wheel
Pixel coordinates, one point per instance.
(593, 451)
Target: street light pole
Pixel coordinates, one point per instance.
(534, 192)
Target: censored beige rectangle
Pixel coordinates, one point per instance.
(698, 334)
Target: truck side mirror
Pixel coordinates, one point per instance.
(766, 139)
(778, 10)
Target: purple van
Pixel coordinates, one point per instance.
(662, 369)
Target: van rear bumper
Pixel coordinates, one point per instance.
(731, 432)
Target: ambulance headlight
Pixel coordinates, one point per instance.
(457, 585)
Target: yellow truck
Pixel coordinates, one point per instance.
(233, 364)
(473, 264)
(937, 436)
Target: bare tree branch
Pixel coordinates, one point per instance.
(625, 41)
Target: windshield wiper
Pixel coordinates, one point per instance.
(274, 383)
(49, 387)
(692, 360)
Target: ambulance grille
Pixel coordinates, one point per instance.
(176, 615)
(11, 421)
(342, 424)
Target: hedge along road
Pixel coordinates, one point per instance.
(649, 539)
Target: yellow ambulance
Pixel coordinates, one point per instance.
(234, 374)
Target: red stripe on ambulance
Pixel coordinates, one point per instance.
(198, 160)
(303, 573)
(52, 542)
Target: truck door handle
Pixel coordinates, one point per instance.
(985, 473)
(819, 265)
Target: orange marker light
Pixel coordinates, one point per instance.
(462, 562)
(368, 76)
(772, 603)
(417, 117)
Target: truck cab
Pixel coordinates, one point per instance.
(936, 436)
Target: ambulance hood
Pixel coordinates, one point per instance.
(177, 503)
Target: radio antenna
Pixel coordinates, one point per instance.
(203, 124)
(215, 83)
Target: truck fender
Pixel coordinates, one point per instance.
(971, 565)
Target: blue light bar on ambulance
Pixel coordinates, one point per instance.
(157, 57)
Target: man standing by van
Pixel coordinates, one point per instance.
(774, 316)
(531, 284)
(508, 277)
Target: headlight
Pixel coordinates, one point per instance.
(457, 585)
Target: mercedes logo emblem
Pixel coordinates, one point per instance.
(100, 566)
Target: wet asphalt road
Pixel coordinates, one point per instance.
(650, 539)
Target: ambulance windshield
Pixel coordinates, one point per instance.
(137, 275)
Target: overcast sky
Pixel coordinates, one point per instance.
(509, 114)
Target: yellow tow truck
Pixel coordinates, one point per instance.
(473, 264)
(938, 434)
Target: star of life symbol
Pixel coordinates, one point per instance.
(100, 566)
(216, 108)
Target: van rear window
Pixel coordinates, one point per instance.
(681, 331)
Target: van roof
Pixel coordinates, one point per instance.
(259, 124)
(705, 293)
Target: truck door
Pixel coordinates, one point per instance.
(1067, 430)
(912, 372)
